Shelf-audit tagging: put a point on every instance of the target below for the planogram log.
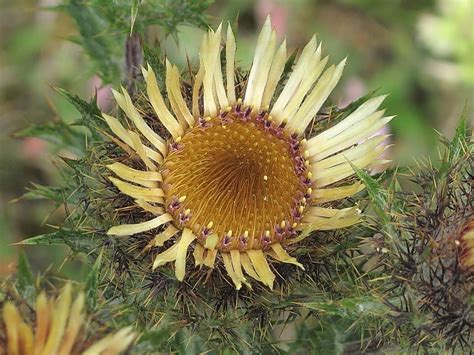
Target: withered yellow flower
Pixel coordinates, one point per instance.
(56, 331)
(466, 241)
(242, 177)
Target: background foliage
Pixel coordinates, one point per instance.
(420, 52)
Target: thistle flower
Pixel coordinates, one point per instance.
(242, 177)
(57, 329)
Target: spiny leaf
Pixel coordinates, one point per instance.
(90, 112)
(77, 241)
(457, 147)
(171, 14)
(349, 308)
(25, 280)
(103, 26)
(382, 205)
(153, 340)
(377, 194)
(288, 67)
(154, 57)
(91, 283)
(58, 133)
(93, 28)
(42, 192)
(333, 335)
(458, 144)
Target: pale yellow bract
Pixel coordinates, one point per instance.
(466, 241)
(237, 177)
(57, 327)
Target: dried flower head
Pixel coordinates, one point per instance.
(57, 329)
(432, 267)
(241, 177)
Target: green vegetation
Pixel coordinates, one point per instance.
(392, 283)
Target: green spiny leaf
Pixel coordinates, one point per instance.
(91, 283)
(93, 28)
(381, 203)
(58, 133)
(377, 194)
(25, 280)
(331, 335)
(350, 308)
(289, 66)
(154, 57)
(77, 241)
(458, 144)
(457, 147)
(90, 112)
(42, 192)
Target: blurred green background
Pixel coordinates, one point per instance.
(420, 52)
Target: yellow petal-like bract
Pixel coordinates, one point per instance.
(56, 329)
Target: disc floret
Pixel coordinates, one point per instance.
(245, 180)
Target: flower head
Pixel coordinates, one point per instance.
(241, 177)
(57, 329)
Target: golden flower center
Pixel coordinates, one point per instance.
(237, 181)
